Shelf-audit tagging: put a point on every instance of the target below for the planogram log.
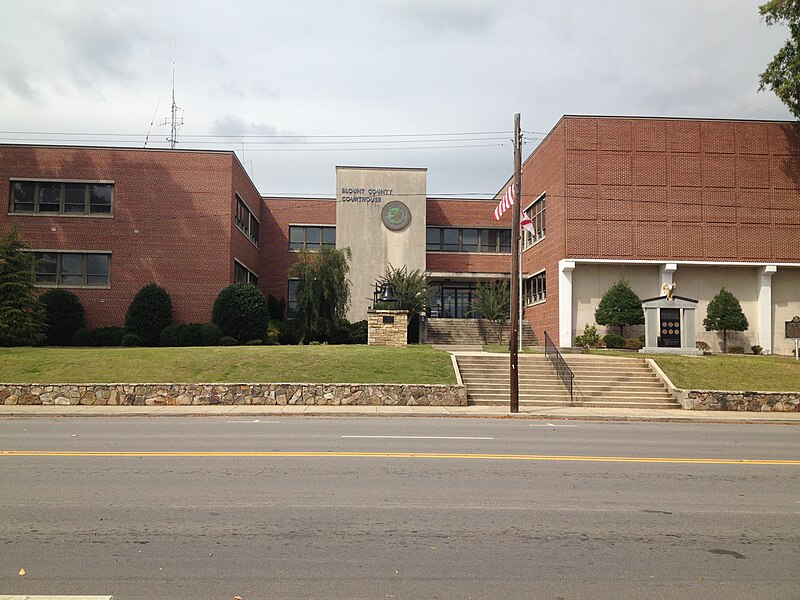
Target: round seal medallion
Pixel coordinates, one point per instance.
(395, 215)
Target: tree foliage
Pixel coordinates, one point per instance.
(22, 317)
(240, 311)
(782, 74)
(64, 315)
(620, 307)
(492, 301)
(149, 313)
(323, 292)
(411, 288)
(725, 314)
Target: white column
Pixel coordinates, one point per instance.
(665, 273)
(565, 269)
(765, 274)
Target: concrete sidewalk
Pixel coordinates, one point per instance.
(541, 413)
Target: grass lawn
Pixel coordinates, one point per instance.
(251, 364)
(735, 372)
(732, 372)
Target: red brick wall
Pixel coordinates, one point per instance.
(663, 189)
(447, 212)
(543, 172)
(178, 202)
(276, 216)
(242, 249)
(682, 190)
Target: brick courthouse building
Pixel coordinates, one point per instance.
(702, 203)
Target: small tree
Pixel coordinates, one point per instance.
(323, 292)
(782, 74)
(64, 315)
(240, 311)
(620, 307)
(725, 314)
(22, 318)
(492, 301)
(149, 313)
(411, 288)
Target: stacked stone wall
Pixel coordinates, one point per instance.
(194, 394)
(744, 401)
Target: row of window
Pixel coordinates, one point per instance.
(311, 237)
(537, 213)
(242, 273)
(61, 197)
(246, 221)
(72, 269)
(535, 289)
(462, 239)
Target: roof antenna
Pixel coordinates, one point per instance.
(175, 120)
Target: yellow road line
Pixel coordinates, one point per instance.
(433, 455)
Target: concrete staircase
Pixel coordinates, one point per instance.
(599, 382)
(473, 333)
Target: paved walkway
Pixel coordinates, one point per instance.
(542, 413)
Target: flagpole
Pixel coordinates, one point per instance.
(515, 266)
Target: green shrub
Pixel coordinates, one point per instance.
(130, 340)
(590, 338)
(276, 308)
(634, 344)
(64, 315)
(149, 313)
(613, 340)
(190, 334)
(357, 332)
(757, 350)
(240, 311)
(82, 337)
(227, 340)
(735, 349)
(288, 333)
(107, 336)
(254, 343)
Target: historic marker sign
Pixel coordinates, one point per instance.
(793, 328)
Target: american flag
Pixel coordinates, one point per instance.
(506, 203)
(526, 223)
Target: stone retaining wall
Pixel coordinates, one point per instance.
(746, 401)
(150, 394)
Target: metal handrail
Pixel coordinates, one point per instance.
(562, 368)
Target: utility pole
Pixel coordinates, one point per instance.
(515, 264)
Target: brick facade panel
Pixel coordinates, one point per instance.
(649, 168)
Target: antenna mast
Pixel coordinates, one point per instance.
(175, 119)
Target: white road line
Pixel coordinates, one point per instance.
(416, 437)
(550, 425)
(254, 421)
(56, 597)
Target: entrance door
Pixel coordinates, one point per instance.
(462, 303)
(670, 333)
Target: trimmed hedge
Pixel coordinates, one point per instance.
(240, 311)
(102, 336)
(190, 334)
(149, 313)
(613, 340)
(64, 315)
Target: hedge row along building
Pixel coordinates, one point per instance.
(701, 203)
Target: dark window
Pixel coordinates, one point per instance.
(55, 197)
(242, 273)
(292, 297)
(72, 269)
(246, 221)
(467, 239)
(538, 215)
(535, 289)
(311, 237)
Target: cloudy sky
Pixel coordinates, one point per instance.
(298, 87)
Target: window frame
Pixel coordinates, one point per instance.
(250, 276)
(304, 244)
(537, 212)
(535, 288)
(58, 274)
(39, 185)
(483, 235)
(245, 220)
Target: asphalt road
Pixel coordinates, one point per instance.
(189, 508)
